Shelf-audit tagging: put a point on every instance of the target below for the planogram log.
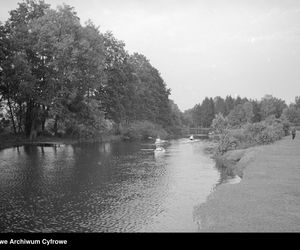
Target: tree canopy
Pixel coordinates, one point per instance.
(56, 72)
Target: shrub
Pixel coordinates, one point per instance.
(219, 123)
(264, 132)
(227, 142)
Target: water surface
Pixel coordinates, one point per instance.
(111, 187)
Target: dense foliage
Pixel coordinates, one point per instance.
(240, 123)
(66, 78)
(237, 110)
(241, 128)
(251, 134)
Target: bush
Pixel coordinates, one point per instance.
(219, 123)
(260, 133)
(227, 142)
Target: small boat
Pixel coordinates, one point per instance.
(159, 150)
(191, 137)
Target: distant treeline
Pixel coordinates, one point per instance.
(239, 111)
(59, 76)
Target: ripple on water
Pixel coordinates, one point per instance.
(67, 190)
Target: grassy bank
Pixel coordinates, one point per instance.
(267, 199)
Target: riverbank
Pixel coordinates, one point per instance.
(9, 141)
(267, 198)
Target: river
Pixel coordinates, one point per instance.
(109, 187)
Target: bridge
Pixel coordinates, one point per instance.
(199, 131)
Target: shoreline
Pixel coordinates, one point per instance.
(266, 199)
(11, 141)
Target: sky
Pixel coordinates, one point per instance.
(205, 47)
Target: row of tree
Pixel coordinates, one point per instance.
(56, 72)
(242, 110)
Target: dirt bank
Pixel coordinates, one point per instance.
(268, 197)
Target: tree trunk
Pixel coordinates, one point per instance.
(43, 118)
(55, 125)
(31, 124)
(43, 124)
(28, 119)
(12, 116)
(33, 130)
(20, 130)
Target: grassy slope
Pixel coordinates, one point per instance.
(267, 198)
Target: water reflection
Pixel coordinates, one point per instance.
(113, 187)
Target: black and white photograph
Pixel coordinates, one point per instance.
(139, 116)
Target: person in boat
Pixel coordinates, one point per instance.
(161, 149)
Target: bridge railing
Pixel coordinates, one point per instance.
(199, 130)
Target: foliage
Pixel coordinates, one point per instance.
(141, 130)
(271, 106)
(241, 114)
(251, 134)
(70, 78)
(292, 114)
(219, 123)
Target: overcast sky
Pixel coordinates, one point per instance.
(205, 48)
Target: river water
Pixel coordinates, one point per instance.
(110, 187)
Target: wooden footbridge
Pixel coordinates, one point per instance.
(199, 132)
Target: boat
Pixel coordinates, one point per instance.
(159, 150)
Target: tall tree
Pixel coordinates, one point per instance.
(220, 106)
(292, 114)
(152, 93)
(207, 112)
(271, 106)
(256, 111)
(26, 74)
(229, 103)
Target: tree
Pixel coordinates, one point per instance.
(271, 106)
(152, 101)
(248, 110)
(292, 114)
(117, 91)
(207, 112)
(256, 111)
(241, 114)
(219, 123)
(74, 58)
(55, 66)
(236, 116)
(188, 118)
(22, 78)
(229, 103)
(238, 101)
(297, 102)
(220, 106)
(56, 72)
